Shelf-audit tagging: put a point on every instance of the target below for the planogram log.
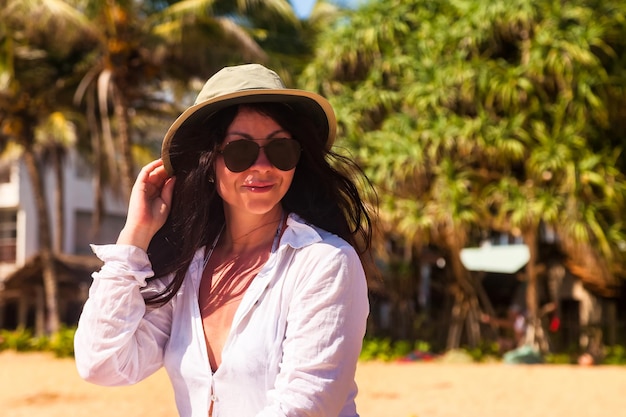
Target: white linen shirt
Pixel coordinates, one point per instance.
(292, 348)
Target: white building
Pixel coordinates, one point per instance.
(21, 290)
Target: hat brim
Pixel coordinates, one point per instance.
(316, 106)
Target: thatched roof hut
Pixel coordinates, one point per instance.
(71, 270)
(21, 292)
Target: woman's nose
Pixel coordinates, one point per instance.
(262, 161)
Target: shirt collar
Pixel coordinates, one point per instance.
(299, 233)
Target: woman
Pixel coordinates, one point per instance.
(238, 266)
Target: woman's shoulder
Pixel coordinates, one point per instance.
(312, 244)
(301, 234)
(324, 261)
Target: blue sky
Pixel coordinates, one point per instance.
(303, 7)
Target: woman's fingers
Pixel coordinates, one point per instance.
(168, 191)
(152, 178)
(149, 205)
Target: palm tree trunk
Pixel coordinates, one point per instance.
(534, 335)
(59, 200)
(45, 244)
(456, 319)
(466, 308)
(124, 138)
(110, 150)
(98, 177)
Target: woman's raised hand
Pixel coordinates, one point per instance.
(149, 206)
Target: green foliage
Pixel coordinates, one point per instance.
(472, 116)
(559, 359)
(486, 351)
(611, 355)
(22, 340)
(614, 355)
(376, 349)
(62, 342)
(444, 99)
(387, 350)
(40, 344)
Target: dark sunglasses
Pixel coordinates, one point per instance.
(240, 155)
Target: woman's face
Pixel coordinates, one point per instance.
(259, 188)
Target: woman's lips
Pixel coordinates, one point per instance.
(259, 186)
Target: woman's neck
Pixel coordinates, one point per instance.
(244, 234)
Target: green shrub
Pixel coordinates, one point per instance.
(20, 340)
(386, 350)
(401, 348)
(559, 359)
(485, 352)
(62, 343)
(40, 343)
(376, 349)
(614, 355)
(23, 340)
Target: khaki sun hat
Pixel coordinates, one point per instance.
(249, 83)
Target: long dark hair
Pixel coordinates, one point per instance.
(323, 192)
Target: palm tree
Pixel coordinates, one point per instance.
(142, 55)
(138, 44)
(119, 48)
(53, 139)
(473, 116)
(17, 122)
(36, 72)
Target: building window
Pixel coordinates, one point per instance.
(8, 235)
(106, 233)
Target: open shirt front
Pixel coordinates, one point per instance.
(292, 348)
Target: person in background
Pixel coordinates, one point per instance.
(240, 267)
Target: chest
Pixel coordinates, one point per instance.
(254, 352)
(222, 288)
(221, 291)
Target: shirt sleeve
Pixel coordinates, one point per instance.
(118, 340)
(325, 330)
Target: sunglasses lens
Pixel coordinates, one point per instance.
(284, 154)
(240, 155)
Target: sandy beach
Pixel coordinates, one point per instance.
(39, 385)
